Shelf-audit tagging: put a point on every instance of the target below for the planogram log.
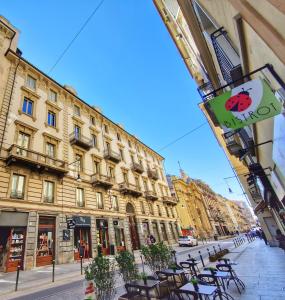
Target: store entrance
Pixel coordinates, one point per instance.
(103, 236)
(12, 248)
(133, 226)
(82, 243)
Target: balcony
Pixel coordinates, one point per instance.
(35, 160)
(130, 189)
(150, 195)
(137, 168)
(152, 174)
(169, 200)
(80, 140)
(112, 156)
(103, 181)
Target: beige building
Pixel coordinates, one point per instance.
(221, 41)
(73, 182)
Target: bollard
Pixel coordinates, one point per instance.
(201, 257)
(214, 249)
(219, 247)
(208, 252)
(17, 277)
(53, 265)
(81, 265)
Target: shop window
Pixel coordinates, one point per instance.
(50, 149)
(94, 140)
(115, 203)
(103, 235)
(27, 107)
(48, 191)
(119, 238)
(76, 110)
(31, 82)
(46, 241)
(18, 186)
(99, 200)
(51, 119)
(52, 96)
(142, 208)
(80, 197)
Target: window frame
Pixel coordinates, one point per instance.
(115, 207)
(54, 117)
(83, 197)
(28, 100)
(13, 175)
(53, 92)
(101, 199)
(53, 191)
(33, 88)
(76, 110)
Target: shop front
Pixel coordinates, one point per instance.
(103, 236)
(119, 235)
(82, 237)
(12, 240)
(46, 241)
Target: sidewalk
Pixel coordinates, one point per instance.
(262, 269)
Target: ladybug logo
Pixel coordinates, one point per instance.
(239, 102)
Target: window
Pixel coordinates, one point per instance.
(129, 143)
(158, 210)
(99, 200)
(167, 211)
(111, 172)
(150, 208)
(78, 163)
(80, 197)
(161, 190)
(52, 96)
(108, 147)
(137, 183)
(48, 191)
(51, 119)
(142, 208)
(76, 110)
(118, 137)
(125, 176)
(96, 167)
(115, 204)
(145, 185)
(77, 131)
(153, 187)
(28, 106)
(31, 82)
(122, 154)
(92, 120)
(94, 140)
(144, 153)
(18, 184)
(106, 128)
(23, 141)
(50, 149)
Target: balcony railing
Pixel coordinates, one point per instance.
(80, 140)
(17, 194)
(169, 200)
(150, 195)
(112, 155)
(130, 189)
(137, 168)
(152, 174)
(35, 160)
(102, 180)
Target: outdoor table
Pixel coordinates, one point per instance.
(177, 272)
(206, 290)
(218, 274)
(193, 265)
(146, 286)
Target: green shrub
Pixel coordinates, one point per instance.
(127, 266)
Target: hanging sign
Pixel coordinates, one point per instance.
(246, 104)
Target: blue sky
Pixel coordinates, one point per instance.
(126, 63)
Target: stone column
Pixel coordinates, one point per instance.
(111, 231)
(140, 232)
(168, 232)
(127, 235)
(31, 241)
(64, 252)
(174, 230)
(150, 227)
(94, 240)
(159, 231)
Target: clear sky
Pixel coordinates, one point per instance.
(126, 63)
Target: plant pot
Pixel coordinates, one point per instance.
(89, 290)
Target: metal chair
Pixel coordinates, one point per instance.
(232, 276)
(132, 293)
(184, 295)
(190, 268)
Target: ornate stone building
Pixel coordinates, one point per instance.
(73, 182)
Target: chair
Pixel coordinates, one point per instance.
(174, 281)
(185, 295)
(232, 276)
(189, 268)
(132, 292)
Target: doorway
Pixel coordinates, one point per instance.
(133, 226)
(82, 243)
(103, 236)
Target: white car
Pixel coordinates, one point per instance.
(187, 241)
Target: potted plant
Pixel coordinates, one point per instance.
(173, 267)
(143, 276)
(195, 282)
(102, 269)
(212, 270)
(89, 289)
(127, 266)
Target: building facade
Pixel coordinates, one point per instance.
(225, 43)
(73, 182)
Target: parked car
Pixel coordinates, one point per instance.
(187, 241)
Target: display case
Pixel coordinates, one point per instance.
(16, 249)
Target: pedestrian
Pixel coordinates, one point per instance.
(152, 239)
(148, 241)
(281, 238)
(262, 234)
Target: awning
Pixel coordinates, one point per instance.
(260, 206)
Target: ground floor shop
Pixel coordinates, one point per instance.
(34, 239)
